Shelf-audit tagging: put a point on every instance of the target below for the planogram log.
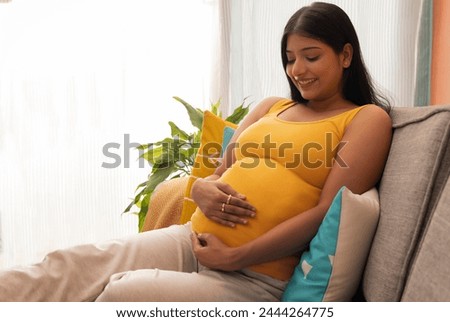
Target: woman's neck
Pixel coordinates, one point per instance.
(330, 104)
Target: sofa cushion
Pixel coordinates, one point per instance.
(429, 279)
(332, 267)
(214, 132)
(415, 173)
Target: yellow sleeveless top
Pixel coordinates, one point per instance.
(281, 167)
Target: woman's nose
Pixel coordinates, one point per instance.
(298, 68)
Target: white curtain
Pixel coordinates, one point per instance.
(387, 29)
(80, 81)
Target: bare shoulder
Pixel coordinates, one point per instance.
(367, 142)
(261, 109)
(371, 124)
(373, 113)
(264, 106)
(371, 119)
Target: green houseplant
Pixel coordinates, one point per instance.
(174, 156)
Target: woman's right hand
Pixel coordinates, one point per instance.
(221, 203)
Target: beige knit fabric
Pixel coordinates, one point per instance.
(166, 204)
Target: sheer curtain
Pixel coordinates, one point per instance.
(80, 82)
(387, 29)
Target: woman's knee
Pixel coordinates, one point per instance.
(135, 286)
(118, 289)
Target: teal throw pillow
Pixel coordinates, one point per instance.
(228, 133)
(332, 268)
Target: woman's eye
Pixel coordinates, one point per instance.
(290, 61)
(312, 59)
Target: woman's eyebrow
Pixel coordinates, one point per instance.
(303, 49)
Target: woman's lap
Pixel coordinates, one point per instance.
(158, 265)
(155, 285)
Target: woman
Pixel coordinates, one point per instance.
(266, 201)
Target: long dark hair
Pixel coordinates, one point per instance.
(330, 24)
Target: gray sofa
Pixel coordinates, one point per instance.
(410, 255)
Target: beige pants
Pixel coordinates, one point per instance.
(158, 265)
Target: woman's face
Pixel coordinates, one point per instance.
(315, 68)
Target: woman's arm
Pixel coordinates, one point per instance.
(362, 158)
(209, 194)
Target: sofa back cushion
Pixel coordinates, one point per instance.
(414, 176)
(429, 279)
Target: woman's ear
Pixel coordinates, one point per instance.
(347, 55)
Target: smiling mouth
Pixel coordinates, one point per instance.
(305, 82)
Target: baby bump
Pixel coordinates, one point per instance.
(277, 194)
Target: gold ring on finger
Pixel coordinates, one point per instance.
(223, 207)
(229, 199)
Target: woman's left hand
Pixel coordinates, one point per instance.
(213, 253)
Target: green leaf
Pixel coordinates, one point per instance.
(238, 114)
(153, 154)
(143, 184)
(159, 175)
(141, 215)
(195, 114)
(143, 211)
(144, 146)
(215, 108)
(127, 209)
(137, 198)
(177, 132)
(198, 138)
(167, 158)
